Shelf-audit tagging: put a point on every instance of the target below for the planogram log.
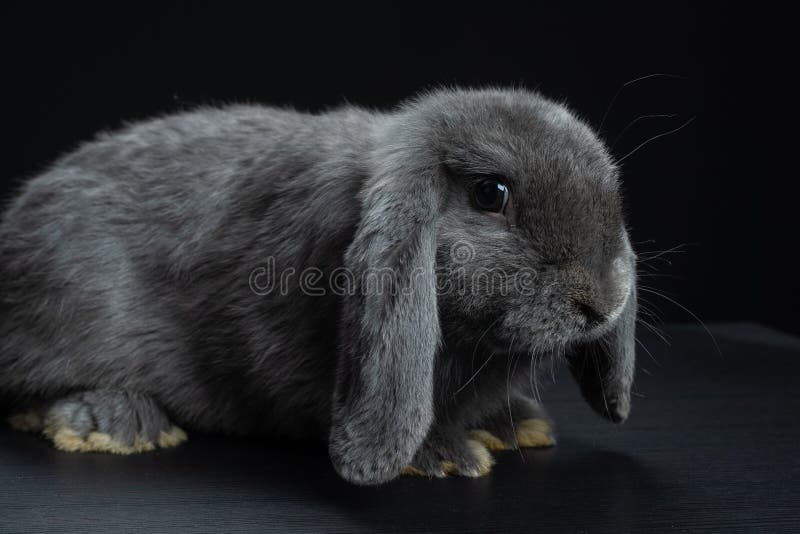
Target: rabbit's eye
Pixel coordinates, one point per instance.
(491, 195)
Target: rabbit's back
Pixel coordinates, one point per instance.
(129, 263)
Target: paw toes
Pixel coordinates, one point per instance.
(535, 433)
(473, 460)
(101, 442)
(489, 440)
(172, 437)
(449, 468)
(67, 439)
(484, 459)
(410, 470)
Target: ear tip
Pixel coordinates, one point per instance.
(357, 473)
(362, 465)
(618, 409)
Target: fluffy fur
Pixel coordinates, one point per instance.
(126, 277)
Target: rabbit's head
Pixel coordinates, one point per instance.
(499, 213)
(533, 254)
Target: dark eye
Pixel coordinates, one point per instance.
(491, 195)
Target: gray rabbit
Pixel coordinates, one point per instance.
(387, 281)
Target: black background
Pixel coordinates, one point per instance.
(719, 189)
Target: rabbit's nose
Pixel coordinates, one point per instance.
(590, 313)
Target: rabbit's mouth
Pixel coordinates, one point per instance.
(598, 310)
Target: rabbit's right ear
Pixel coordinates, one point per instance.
(383, 399)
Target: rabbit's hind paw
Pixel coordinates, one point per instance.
(489, 440)
(115, 422)
(535, 433)
(532, 432)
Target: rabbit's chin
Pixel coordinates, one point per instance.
(538, 341)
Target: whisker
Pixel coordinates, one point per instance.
(653, 254)
(658, 275)
(509, 375)
(637, 119)
(647, 351)
(674, 130)
(474, 352)
(642, 264)
(532, 378)
(655, 331)
(600, 378)
(648, 307)
(645, 262)
(679, 246)
(477, 343)
(631, 82)
(648, 259)
(474, 375)
(652, 307)
(687, 310)
(513, 338)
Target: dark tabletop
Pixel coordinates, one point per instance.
(712, 444)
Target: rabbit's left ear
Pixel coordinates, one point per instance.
(604, 368)
(383, 399)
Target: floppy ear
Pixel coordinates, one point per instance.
(383, 399)
(604, 368)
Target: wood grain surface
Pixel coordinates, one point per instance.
(713, 444)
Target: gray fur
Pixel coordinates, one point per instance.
(125, 416)
(126, 267)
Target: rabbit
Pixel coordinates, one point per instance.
(214, 270)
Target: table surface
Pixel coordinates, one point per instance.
(712, 444)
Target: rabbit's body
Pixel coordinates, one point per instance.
(155, 274)
(128, 266)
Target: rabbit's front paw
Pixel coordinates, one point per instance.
(461, 456)
(534, 432)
